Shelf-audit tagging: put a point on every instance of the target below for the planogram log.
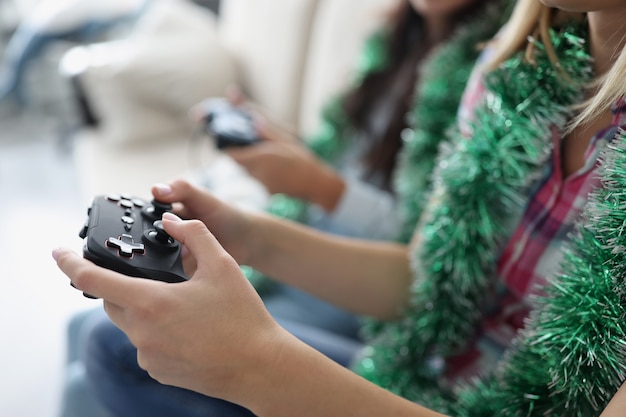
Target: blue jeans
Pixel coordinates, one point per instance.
(127, 390)
(78, 399)
(104, 378)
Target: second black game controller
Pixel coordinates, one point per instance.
(125, 234)
(230, 125)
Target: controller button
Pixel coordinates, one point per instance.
(114, 197)
(128, 220)
(160, 207)
(158, 238)
(156, 209)
(160, 234)
(125, 245)
(138, 203)
(127, 197)
(83, 231)
(126, 204)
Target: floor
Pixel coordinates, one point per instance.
(42, 209)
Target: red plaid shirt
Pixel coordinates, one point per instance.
(538, 233)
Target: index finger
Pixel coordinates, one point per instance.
(97, 281)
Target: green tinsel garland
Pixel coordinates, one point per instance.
(477, 184)
(571, 358)
(441, 83)
(437, 97)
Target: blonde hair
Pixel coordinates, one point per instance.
(532, 20)
(610, 88)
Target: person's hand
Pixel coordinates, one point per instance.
(204, 334)
(281, 162)
(284, 165)
(230, 225)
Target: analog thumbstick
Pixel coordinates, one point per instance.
(157, 238)
(160, 235)
(155, 210)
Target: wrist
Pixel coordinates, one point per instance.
(264, 371)
(260, 241)
(328, 190)
(245, 373)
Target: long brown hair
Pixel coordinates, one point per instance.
(407, 44)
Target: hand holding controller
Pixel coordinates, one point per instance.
(125, 234)
(228, 124)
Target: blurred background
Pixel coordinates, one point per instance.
(41, 209)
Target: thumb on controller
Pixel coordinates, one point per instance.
(195, 238)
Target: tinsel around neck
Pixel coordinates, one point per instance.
(477, 182)
(571, 358)
(442, 80)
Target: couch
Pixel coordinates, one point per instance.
(289, 56)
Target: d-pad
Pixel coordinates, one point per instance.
(125, 245)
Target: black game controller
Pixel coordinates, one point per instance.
(228, 124)
(125, 234)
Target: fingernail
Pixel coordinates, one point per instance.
(55, 253)
(171, 216)
(163, 189)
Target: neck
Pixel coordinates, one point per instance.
(437, 28)
(606, 41)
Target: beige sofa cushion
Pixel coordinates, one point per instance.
(143, 94)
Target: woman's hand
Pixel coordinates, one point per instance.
(284, 165)
(230, 225)
(205, 334)
(281, 162)
(366, 277)
(212, 335)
